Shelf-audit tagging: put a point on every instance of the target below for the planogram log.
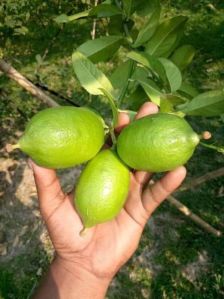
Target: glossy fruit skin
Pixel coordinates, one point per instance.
(62, 137)
(102, 189)
(157, 143)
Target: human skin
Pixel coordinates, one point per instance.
(84, 266)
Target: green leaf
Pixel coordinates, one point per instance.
(175, 39)
(183, 56)
(63, 18)
(188, 90)
(144, 7)
(166, 106)
(151, 90)
(39, 59)
(105, 11)
(120, 77)
(121, 74)
(115, 26)
(150, 62)
(140, 73)
(113, 106)
(128, 6)
(100, 11)
(136, 99)
(210, 103)
(140, 58)
(168, 102)
(173, 74)
(90, 77)
(101, 49)
(166, 37)
(21, 30)
(148, 30)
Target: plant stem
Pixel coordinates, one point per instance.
(113, 106)
(93, 36)
(125, 26)
(127, 33)
(124, 90)
(118, 4)
(113, 137)
(219, 149)
(93, 32)
(11, 147)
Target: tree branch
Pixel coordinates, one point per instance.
(202, 179)
(26, 84)
(55, 93)
(93, 32)
(187, 212)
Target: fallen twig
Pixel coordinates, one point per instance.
(187, 212)
(12, 73)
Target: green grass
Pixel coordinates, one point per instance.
(21, 275)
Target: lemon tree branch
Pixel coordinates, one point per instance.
(13, 74)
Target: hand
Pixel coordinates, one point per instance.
(93, 259)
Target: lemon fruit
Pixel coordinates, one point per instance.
(157, 143)
(102, 189)
(63, 136)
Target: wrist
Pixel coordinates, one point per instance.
(79, 272)
(66, 280)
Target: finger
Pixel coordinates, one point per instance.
(123, 121)
(133, 206)
(142, 177)
(49, 189)
(146, 109)
(155, 194)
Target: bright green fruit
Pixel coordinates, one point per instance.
(157, 143)
(102, 189)
(63, 136)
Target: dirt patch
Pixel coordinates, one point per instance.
(21, 227)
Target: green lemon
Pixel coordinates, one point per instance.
(63, 136)
(102, 189)
(157, 143)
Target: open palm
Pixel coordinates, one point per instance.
(106, 247)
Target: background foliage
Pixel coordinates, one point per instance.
(41, 49)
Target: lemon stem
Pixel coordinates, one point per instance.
(83, 232)
(219, 149)
(113, 137)
(12, 147)
(15, 146)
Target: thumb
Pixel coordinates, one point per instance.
(49, 189)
